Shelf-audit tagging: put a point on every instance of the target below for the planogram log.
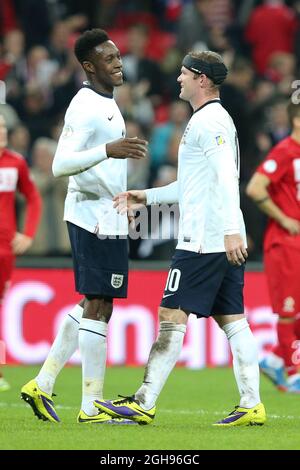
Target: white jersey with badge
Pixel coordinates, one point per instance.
(208, 181)
(93, 119)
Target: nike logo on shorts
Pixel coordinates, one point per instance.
(110, 118)
(167, 295)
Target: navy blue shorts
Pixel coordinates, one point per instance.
(100, 265)
(204, 284)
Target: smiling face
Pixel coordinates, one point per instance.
(188, 84)
(196, 88)
(104, 69)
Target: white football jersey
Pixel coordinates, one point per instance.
(91, 121)
(207, 186)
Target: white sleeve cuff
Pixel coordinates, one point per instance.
(232, 231)
(163, 195)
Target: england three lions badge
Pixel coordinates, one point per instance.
(117, 280)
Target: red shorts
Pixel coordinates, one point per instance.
(282, 267)
(6, 267)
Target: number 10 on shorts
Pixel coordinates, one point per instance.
(173, 280)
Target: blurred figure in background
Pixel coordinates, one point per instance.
(19, 140)
(275, 187)
(139, 70)
(163, 231)
(52, 236)
(135, 106)
(179, 115)
(235, 94)
(137, 172)
(14, 176)
(278, 124)
(271, 28)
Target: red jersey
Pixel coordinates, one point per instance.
(14, 176)
(282, 167)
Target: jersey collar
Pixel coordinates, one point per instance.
(106, 95)
(216, 100)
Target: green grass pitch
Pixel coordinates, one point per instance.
(190, 402)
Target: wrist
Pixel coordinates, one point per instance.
(262, 200)
(149, 196)
(231, 232)
(282, 221)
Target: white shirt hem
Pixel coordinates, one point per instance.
(92, 228)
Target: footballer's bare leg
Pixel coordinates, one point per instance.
(163, 355)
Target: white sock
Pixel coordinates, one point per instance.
(293, 378)
(245, 361)
(92, 345)
(163, 357)
(274, 361)
(63, 347)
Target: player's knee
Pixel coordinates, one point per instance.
(172, 315)
(98, 308)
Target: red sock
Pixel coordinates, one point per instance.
(286, 338)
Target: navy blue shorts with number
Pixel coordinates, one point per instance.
(204, 284)
(100, 265)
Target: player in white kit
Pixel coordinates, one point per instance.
(92, 151)
(206, 276)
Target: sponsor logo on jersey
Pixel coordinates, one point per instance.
(8, 179)
(220, 140)
(270, 166)
(289, 304)
(117, 280)
(67, 132)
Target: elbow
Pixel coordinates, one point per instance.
(56, 170)
(251, 191)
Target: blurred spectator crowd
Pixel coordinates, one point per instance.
(260, 43)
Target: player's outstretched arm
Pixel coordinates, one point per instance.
(135, 199)
(70, 159)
